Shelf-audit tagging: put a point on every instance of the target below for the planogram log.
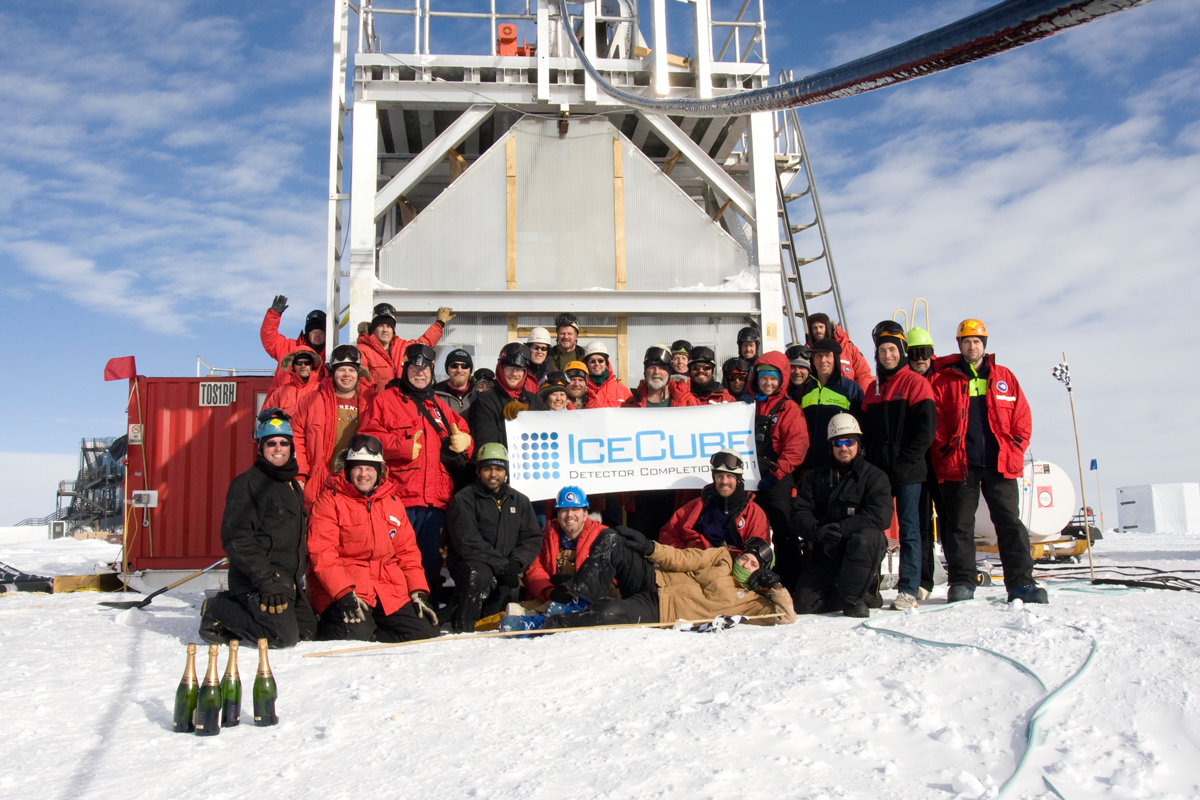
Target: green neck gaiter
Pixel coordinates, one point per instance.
(740, 574)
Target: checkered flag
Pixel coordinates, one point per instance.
(1063, 373)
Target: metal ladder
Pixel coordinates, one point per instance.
(791, 158)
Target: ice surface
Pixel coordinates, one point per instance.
(821, 708)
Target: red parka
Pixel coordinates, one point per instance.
(288, 391)
(365, 544)
(314, 429)
(719, 395)
(678, 395)
(394, 419)
(277, 346)
(1007, 414)
(680, 531)
(610, 394)
(783, 418)
(537, 577)
(854, 365)
(387, 365)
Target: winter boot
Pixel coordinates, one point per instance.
(510, 623)
(960, 591)
(904, 602)
(578, 604)
(922, 593)
(210, 629)
(856, 609)
(1029, 594)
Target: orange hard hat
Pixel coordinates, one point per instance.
(971, 327)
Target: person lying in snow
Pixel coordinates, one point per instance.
(661, 584)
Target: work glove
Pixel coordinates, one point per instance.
(762, 580)
(513, 408)
(558, 579)
(635, 540)
(829, 537)
(561, 595)
(444, 315)
(354, 609)
(459, 441)
(421, 604)
(274, 596)
(510, 574)
(416, 445)
(279, 304)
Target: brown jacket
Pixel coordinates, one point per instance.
(699, 584)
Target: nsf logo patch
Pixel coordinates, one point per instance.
(570, 497)
(1002, 386)
(537, 457)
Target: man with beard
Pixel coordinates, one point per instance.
(724, 515)
(567, 349)
(494, 537)
(458, 390)
(703, 386)
(507, 398)
(577, 384)
(749, 343)
(424, 442)
(263, 535)
(565, 544)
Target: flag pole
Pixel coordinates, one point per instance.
(1087, 529)
(1099, 495)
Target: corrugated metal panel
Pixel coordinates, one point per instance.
(565, 231)
(719, 333)
(670, 242)
(482, 335)
(189, 456)
(459, 240)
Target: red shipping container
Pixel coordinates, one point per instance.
(188, 438)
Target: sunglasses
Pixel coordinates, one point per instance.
(726, 461)
(597, 360)
(844, 442)
(277, 442)
(458, 365)
(541, 348)
(369, 443)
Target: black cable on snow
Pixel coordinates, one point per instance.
(1002, 27)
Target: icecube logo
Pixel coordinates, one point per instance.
(537, 458)
(1002, 386)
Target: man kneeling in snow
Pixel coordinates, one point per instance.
(672, 584)
(366, 578)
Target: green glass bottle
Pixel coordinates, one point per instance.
(264, 690)
(231, 690)
(185, 695)
(208, 704)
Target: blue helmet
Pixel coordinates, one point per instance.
(571, 497)
(272, 422)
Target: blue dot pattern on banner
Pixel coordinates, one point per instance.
(537, 460)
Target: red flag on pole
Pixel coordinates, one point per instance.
(121, 368)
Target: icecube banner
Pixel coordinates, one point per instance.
(626, 449)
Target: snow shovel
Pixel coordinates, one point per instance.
(149, 597)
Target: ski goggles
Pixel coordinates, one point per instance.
(346, 352)
(728, 462)
(419, 355)
(268, 414)
(702, 355)
(922, 352)
(541, 348)
(847, 442)
(363, 441)
(515, 354)
(566, 319)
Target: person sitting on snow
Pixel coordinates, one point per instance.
(263, 535)
(494, 537)
(366, 578)
(658, 583)
(841, 513)
(566, 541)
(724, 515)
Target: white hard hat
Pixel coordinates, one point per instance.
(843, 425)
(596, 348)
(539, 336)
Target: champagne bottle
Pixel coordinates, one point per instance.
(185, 695)
(231, 690)
(264, 690)
(208, 705)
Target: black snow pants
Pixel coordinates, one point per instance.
(402, 625)
(851, 573)
(238, 616)
(929, 505)
(477, 594)
(960, 500)
(609, 559)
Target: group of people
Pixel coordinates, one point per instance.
(372, 483)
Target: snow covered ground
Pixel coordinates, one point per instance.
(820, 709)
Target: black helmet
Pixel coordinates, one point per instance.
(484, 374)
(383, 314)
(749, 334)
(314, 321)
(735, 366)
(681, 346)
(702, 355)
(566, 318)
(419, 354)
(762, 550)
(657, 356)
(515, 354)
(890, 332)
(556, 381)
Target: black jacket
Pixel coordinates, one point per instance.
(899, 422)
(263, 531)
(487, 415)
(492, 528)
(858, 498)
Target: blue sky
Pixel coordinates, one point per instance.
(164, 167)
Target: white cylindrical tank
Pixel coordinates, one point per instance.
(1046, 504)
